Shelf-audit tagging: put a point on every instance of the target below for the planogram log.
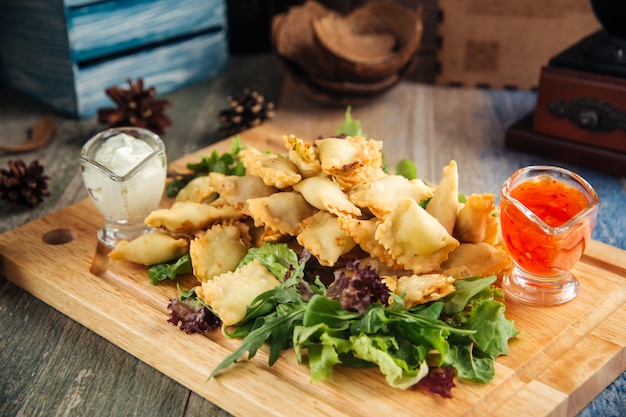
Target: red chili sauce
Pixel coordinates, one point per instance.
(534, 250)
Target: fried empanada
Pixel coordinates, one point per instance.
(217, 250)
(236, 190)
(476, 259)
(229, 294)
(324, 238)
(304, 155)
(150, 249)
(186, 217)
(477, 220)
(420, 289)
(414, 238)
(275, 170)
(198, 190)
(363, 232)
(352, 160)
(445, 205)
(281, 212)
(324, 194)
(381, 195)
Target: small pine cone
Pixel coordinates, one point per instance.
(136, 107)
(246, 110)
(24, 185)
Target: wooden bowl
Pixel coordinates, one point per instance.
(323, 76)
(371, 43)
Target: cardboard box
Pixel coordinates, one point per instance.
(66, 52)
(504, 43)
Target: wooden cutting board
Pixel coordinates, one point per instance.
(563, 358)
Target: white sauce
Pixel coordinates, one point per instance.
(121, 153)
(130, 200)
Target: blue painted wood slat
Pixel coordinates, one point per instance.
(66, 52)
(106, 28)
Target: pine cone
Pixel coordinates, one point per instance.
(24, 185)
(246, 110)
(136, 107)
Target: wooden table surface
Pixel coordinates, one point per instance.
(52, 366)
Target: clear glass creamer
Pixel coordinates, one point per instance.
(547, 216)
(124, 170)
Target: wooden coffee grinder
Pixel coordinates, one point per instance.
(580, 115)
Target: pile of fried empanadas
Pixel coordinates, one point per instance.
(332, 197)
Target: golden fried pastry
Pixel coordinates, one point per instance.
(414, 238)
(324, 194)
(352, 160)
(476, 259)
(235, 190)
(445, 202)
(229, 294)
(281, 212)
(324, 238)
(477, 221)
(189, 217)
(420, 289)
(275, 170)
(363, 232)
(150, 249)
(304, 156)
(217, 250)
(381, 195)
(198, 190)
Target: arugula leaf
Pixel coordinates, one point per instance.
(350, 126)
(276, 329)
(324, 310)
(161, 272)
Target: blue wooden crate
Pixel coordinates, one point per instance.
(66, 52)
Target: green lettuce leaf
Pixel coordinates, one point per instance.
(161, 272)
(277, 257)
(398, 373)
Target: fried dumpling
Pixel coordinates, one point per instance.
(420, 289)
(352, 160)
(275, 170)
(198, 190)
(381, 195)
(324, 194)
(363, 232)
(324, 238)
(476, 221)
(230, 293)
(304, 156)
(476, 259)
(445, 202)
(414, 238)
(150, 249)
(282, 212)
(236, 190)
(217, 250)
(188, 217)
